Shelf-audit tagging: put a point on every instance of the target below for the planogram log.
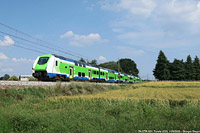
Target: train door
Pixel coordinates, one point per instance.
(89, 74)
(71, 72)
(107, 76)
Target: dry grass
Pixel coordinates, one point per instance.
(151, 90)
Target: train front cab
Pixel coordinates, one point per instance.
(40, 67)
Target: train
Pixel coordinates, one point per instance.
(51, 67)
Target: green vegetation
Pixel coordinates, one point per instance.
(32, 79)
(53, 110)
(178, 69)
(14, 78)
(127, 66)
(110, 65)
(82, 60)
(6, 77)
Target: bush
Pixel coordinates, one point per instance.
(6, 77)
(32, 79)
(13, 78)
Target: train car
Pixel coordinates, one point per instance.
(126, 78)
(131, 79)
(54, 67)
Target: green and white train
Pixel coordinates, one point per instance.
(53, 67)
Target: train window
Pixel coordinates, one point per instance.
(94, 72)
(83, 65)
(111, 77)
(120, 76)
(101, 73)
(76, 63)
(80, 65)
(83, 74)
(79, 74)
(97, 72)
(43, 60)
(56, 63)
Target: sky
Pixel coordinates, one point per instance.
(105, 30)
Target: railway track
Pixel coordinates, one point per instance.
(9, 84)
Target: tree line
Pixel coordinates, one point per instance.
(178, 69)
(7, 77)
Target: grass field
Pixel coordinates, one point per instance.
(95, 108)
(152, 90)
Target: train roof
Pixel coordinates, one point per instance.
(72, 60)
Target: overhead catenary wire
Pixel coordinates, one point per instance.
(80, 56)
(28, 45)
(29, 49)
(39, 44)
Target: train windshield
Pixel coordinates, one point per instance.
(43, 60)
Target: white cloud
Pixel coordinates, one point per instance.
(102, 59)
(141, 35)
(169, 10)
(23, 60)
(82, 40)
(168, 13)
(67, 34)
(156, 23)
(7, 70)
(142, 8)
(7, 42)
(138, 7)
(127, 51)
(3, 56)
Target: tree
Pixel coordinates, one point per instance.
(128, 66)
(178, 70)
(189, 69)
(196, 64)
(161, 70)
(82, 60)
(14, 78)
(6, 77)
(110, 65)
(93, 63)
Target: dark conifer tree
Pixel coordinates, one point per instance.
(189, 69)
(196, 64)
(178, 70)
(161, 70)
